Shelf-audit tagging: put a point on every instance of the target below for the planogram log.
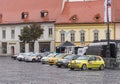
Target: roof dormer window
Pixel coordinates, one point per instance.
(44, 13)
(74, 18)
(24, 15)
(97, 17)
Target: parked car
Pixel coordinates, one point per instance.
(21, 57)
(87, 62)
(33, 57)
(66, 60)
(44, 60)
(53, 60)
(14, 57)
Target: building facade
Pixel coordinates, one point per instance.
(82, 23)
(15, 16)
(10, 43)
(115, 12)
(82, 34)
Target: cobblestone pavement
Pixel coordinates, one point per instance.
(15, 72)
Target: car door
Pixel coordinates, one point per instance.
(98, 62)
(92, 62)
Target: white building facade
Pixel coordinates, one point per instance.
(10, 43)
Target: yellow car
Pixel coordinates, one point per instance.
(87, 62)
(53, 60)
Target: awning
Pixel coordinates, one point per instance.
(66, 44)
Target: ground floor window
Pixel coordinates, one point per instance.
(22, 47)
(4, 47)
(44, 46)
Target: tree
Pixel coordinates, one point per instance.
(31, 33)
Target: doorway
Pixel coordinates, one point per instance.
(12, 50)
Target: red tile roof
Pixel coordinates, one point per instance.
(82, 12)
(73, 12)
(115, 7)
(11, 10)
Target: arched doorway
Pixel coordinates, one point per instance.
(12, 50)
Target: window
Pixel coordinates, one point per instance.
(72, 35)
(12, 34)
(22, 47)
(4, 47)
(44, 46)
(50, 32)
(44, 13)
(62, 37)
(96, 35)
(74, 18)
(62, 34)
(24, 15)
(92, 58)
(82, 36)
(4, 34)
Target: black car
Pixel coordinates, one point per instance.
(65, 61)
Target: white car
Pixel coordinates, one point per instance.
(21, 56)
(45, 59)
(33, 57)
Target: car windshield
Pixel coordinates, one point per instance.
(33, 55)
(52, 54)
(69, 57)
(27, 54)
(21, 53)
(59, 55)
(83, 58)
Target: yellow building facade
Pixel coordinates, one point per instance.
(82, 34)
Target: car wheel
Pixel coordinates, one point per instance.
(84, 67)
(43, 63)
(101, 67)
(90, 68)
(71, 68)
(50, 64)
(59, 66)
(33, 60)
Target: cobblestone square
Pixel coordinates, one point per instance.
(15, 72)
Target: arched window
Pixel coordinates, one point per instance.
(82, 36)
(62, 35)
(72, 35)
(95, 35)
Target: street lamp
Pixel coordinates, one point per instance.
(108, 31)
